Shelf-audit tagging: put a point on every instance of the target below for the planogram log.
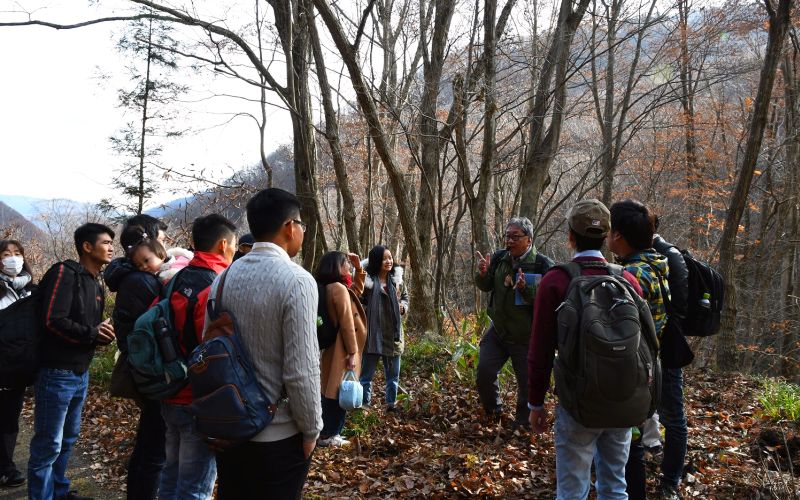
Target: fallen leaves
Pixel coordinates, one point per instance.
(439, 446)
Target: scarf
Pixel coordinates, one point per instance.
(347, 280)
(18, 282)
(374, 311)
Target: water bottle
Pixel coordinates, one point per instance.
(705, 302)
(165, 344)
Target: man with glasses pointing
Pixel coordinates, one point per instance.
(510, 276)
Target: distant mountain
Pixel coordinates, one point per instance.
(14, 225)
(29, 206)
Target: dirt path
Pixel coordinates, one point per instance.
(81, 472)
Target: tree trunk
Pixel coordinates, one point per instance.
(778, 25)
(421, 284)
(433, 64)
(332, 136)
(543, 140)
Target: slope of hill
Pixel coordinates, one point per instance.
(14, 225)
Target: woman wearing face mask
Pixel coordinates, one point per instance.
(15, 282)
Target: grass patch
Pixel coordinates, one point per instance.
(780, 399)
(360, 422)
(102, 365)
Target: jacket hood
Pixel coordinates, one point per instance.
(116, 270)
(655, 260)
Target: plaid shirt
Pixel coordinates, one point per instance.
(649, 267)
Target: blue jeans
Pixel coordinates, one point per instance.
(673, 417)
(576, 446)
(332, 417)
(59, 396)
(391, 369)
(190, 469)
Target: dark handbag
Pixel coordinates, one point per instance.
(122, 384)
(675, 350)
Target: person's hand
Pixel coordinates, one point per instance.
(520, 283)
(350, 362)
(308, 448)
(483, 262)
(539, 420)
(355, 260)
(105, 333)
(402, 310)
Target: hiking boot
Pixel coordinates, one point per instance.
(73, 495)
(336, 441)
(669, 492)
(12, 479)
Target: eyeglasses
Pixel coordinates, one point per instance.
(303, 225)
(515, 237)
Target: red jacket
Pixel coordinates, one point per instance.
(200, 265)
(541, 351)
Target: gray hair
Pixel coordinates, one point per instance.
(523, 223)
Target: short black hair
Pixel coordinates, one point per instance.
(375, 260)
(89, 233)
(583, 243)
(148, 223)
(268, 210)
(635, 222)
(209, 229)
(329, 269)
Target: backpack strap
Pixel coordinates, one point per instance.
(214, 306)
(616, 270)
(573, 269)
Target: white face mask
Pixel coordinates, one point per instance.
(12, 265)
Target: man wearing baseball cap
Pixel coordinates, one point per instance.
(589, 222)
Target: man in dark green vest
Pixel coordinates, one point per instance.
(510, 276)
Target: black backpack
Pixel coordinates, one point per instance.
(326, 329)
(21, 331)
(607, 372)
(703, 315)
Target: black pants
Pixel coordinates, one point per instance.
(10, 408)
(635, 471)
(148, 456)
(251, 470)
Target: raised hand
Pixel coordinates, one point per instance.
(520, 283)
(355, 260)
(483, 262)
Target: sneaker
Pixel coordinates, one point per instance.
(73, 495)
(12, 479)
(336, 441)
(392, 408)
(669, 492)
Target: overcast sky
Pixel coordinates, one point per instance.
(57, 113)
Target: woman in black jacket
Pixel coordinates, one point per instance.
(15, 282)
(136, 290)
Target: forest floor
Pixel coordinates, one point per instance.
(439, 446)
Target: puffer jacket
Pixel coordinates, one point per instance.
(136, 290)
(8, 291)
(651, 270)
(678, 276)
(512, 322)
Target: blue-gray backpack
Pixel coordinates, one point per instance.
(227, 401)
(157, 362)
(607, 373)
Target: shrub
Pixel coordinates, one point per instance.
(780, 399)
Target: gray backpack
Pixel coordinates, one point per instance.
(607, 372)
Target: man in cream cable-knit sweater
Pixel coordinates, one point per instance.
(274, 302)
